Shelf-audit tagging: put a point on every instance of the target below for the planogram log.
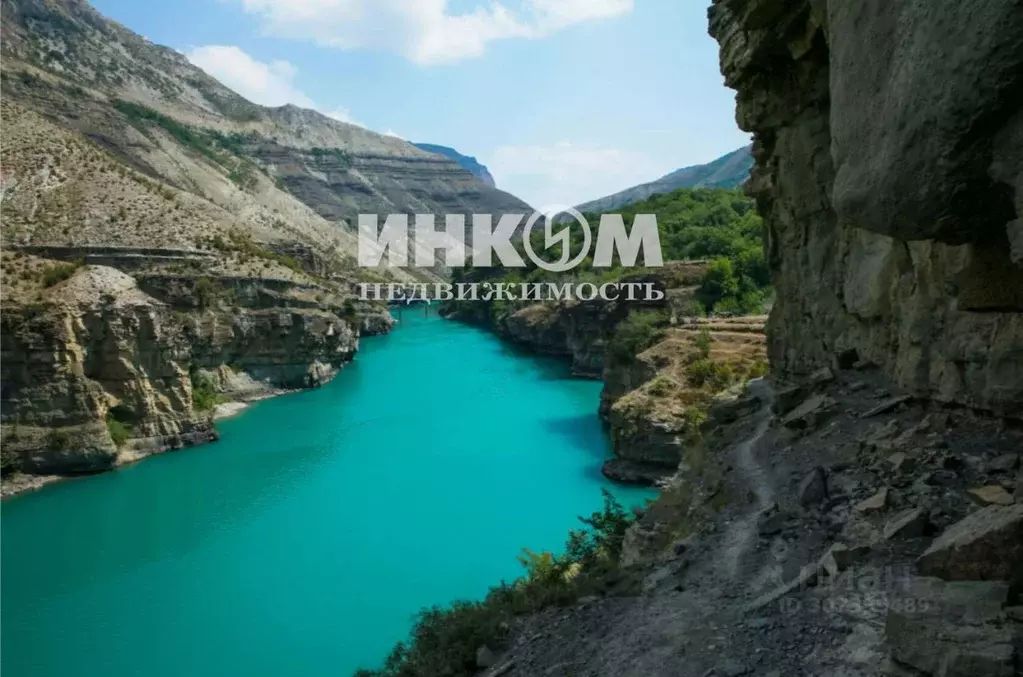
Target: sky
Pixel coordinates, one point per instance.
(564, 100)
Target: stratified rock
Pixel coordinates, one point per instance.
(885, 407)
(986, 545)
(951, 629)
(869, 217)
(114, 351)
(631, 472)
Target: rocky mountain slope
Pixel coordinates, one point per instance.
(727, 171)
(466, 162)
(168, 244)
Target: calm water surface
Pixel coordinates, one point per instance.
(307, 538)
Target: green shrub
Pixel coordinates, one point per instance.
(660, 386)
(120, 432)
(58, 272)
(759, 369)
(692, 431)
(715, 376)
(205, 292)
(444, 640)
(204, 393)
(703, 342)
(639, 331)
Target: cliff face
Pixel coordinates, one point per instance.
(97, 372)
(654, 402)
(888, 172)
(478, 170)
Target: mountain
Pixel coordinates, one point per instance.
(726, 172)
(149, 107)
(470, 163)
(168, 244)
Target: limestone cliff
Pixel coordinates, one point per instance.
(102, 368)
(888, 173)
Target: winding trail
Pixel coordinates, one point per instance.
(742, 532)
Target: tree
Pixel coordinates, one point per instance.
(719, 282)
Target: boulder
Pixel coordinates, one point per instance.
(986, 545)
(485, 657)
(775, 522)
(637, 473)
(908, 524)
(875, 503)
(991, 495)
(953, 629)
(813, 489)
(810, 413)
(1005, 463)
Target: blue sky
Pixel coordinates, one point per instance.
(564, 100)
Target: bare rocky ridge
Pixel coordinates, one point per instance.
(727, 171)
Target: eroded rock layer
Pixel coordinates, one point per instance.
(888, 172)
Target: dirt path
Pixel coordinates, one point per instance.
(742, 532)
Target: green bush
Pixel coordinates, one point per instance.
(204, 393)
(639, 331)
(660, 386)
(759, 369)
(120, 432)
(694, 224)
(444, 640)
(715, 376)
(58, 272)
(205, 292)
(703, 342)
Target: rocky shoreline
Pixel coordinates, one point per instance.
(653, 402)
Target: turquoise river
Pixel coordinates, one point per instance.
(304, 542)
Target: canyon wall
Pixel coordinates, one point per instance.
(888, 146)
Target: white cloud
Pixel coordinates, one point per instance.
(567, 173)
(268, 84)
(424, 31)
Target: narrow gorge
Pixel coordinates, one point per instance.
(803, 456)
